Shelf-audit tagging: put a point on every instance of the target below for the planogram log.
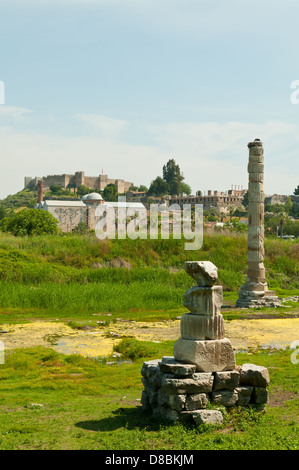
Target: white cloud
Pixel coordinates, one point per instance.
(13, 111)
(211, 155)
(108, 126)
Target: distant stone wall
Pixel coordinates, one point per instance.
(94, 182)
(91, 218)
(59, 180)
(276, 199)
(218, 200)
(91, 182)
(69, 217)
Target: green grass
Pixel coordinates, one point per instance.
(72, 275)
(52, 401)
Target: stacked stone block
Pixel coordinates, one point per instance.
(202, 374)
(203, 341)
(174, 391)
(255, 291)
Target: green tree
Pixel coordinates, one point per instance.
(294, 212)
(235, 226)
(288, 205)
(142, 188)
(55, 189)
(245, 200)
(172, 175)
(296, 191)
(82, 190)
(185, 189)
(2, 212)
(158, 187)
(240, 212)
(275, 208)
(133, 188)
(110, 193)
(81, 228)
(30, 222)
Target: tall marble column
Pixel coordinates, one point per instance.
(255, 291)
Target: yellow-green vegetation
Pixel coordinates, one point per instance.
(52, 401)
(78, 274)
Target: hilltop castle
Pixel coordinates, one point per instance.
(73, 181)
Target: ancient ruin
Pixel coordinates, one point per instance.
(79, 178)
(202, 378)
(218, 200)
(255, 293)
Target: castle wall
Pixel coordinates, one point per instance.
(59, 180)
(94, 182)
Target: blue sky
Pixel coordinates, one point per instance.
(124, 85)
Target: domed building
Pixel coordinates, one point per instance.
(71, 212)
(93, 199)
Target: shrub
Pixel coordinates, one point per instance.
(30, 222)
(133, 349)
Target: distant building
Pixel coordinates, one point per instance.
(275, 199)
(221, 201)
(70, 213)
(74, 181)
(281, 199)
(136, 195)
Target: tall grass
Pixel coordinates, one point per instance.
(92, 297)
(74, 271)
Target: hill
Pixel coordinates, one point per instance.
(22, 199)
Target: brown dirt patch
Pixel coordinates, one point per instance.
(279, 397)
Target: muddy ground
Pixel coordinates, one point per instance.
(98, 342)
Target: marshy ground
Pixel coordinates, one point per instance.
(99, 340)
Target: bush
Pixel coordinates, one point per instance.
(133, 349)
(30, 222)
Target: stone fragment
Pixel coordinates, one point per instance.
(145, 382)
(228, 380)
(171, 366)
(152, 396)
(149, 366)
(166, 414)
(208, 356)
(145, 401)
(257, 376)
(174, 401)
(207, 417)
(225, 397)
(204, 300)
(244, 395)
(204, 272)
(196, 401)
(200, 383)
(202, 327)
(260, 395)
